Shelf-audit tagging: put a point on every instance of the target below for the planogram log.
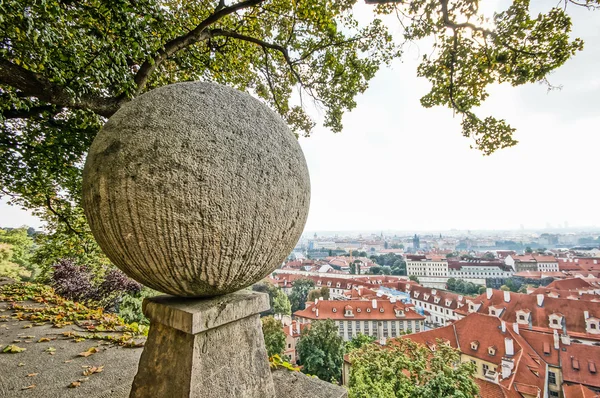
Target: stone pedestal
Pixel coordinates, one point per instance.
(209, 348)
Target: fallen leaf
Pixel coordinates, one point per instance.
(50, 350)
(83, 379)
(28, 326)
(16, 341)
(32, 374)
(93, 369)
(28, 387)
(74, 384)
(13, 349)
(79, 340)
(21, 364)
(89, 352)
(68, 360)
(43, 340)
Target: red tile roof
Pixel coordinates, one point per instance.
(578, 391)
(573, 310)
(580, 364)
(362, 310)
(569, 284)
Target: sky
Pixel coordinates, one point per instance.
(398, 166)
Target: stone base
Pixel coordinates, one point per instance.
(209, 348)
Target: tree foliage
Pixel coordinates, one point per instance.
(321, 350)
(281, 303)
(274, 336)
(406, 369)
(299, 294)
(66, 66)
(461, 286)
(267, 287)
(16, 248)
(358, 341)
(316, 294)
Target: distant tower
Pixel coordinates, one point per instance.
(315, 235)
(416, 242)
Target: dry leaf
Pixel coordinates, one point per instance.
(21, 364)
(13, 349)
(28, 387)
(89, 352)
(43, 340)
(27, 326)
(50, 350)
(68, 360)
(32, 374)
(74, 384)
(93, 369)
(16, 341)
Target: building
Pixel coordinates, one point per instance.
(438, 305)
(532, 262)
(377, 318)
(292, 333)
(426, 265)
(479, 269)
(578, 318)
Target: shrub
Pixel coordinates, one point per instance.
(73, 281)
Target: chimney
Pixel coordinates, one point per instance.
(565, 339)
(291, 330)
(374, 303)
(392, 300)
(297, 327)
(540, 300)
(317, 313)
(507, 366)
(503, 326)
(320, 298)
(509, 347)
(316, 301)
(507, 297)
(586, 314)
(489, 292)
(516, 328)
(556, 340)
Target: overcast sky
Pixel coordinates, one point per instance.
(398, 166)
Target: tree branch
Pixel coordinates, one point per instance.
(61, 217)
(27, 113)
(179, 43)
(36, 85)
(262, 43)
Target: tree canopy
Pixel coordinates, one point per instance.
(299, 295)
(321, 350)
(407, 369)
(281, 303)
(273, 335)
(67, 66)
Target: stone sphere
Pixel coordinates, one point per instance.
(196, 189)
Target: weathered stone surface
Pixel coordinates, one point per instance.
(195, 316)
(196, 189)
(298, 385)
(228, 360)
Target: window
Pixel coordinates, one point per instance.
(485, 368)
(553, 393)
(357, 326)
(522, 317)
(554, 322)
(289, 346)
(393, 329)
(552, 378)
(592, 326)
